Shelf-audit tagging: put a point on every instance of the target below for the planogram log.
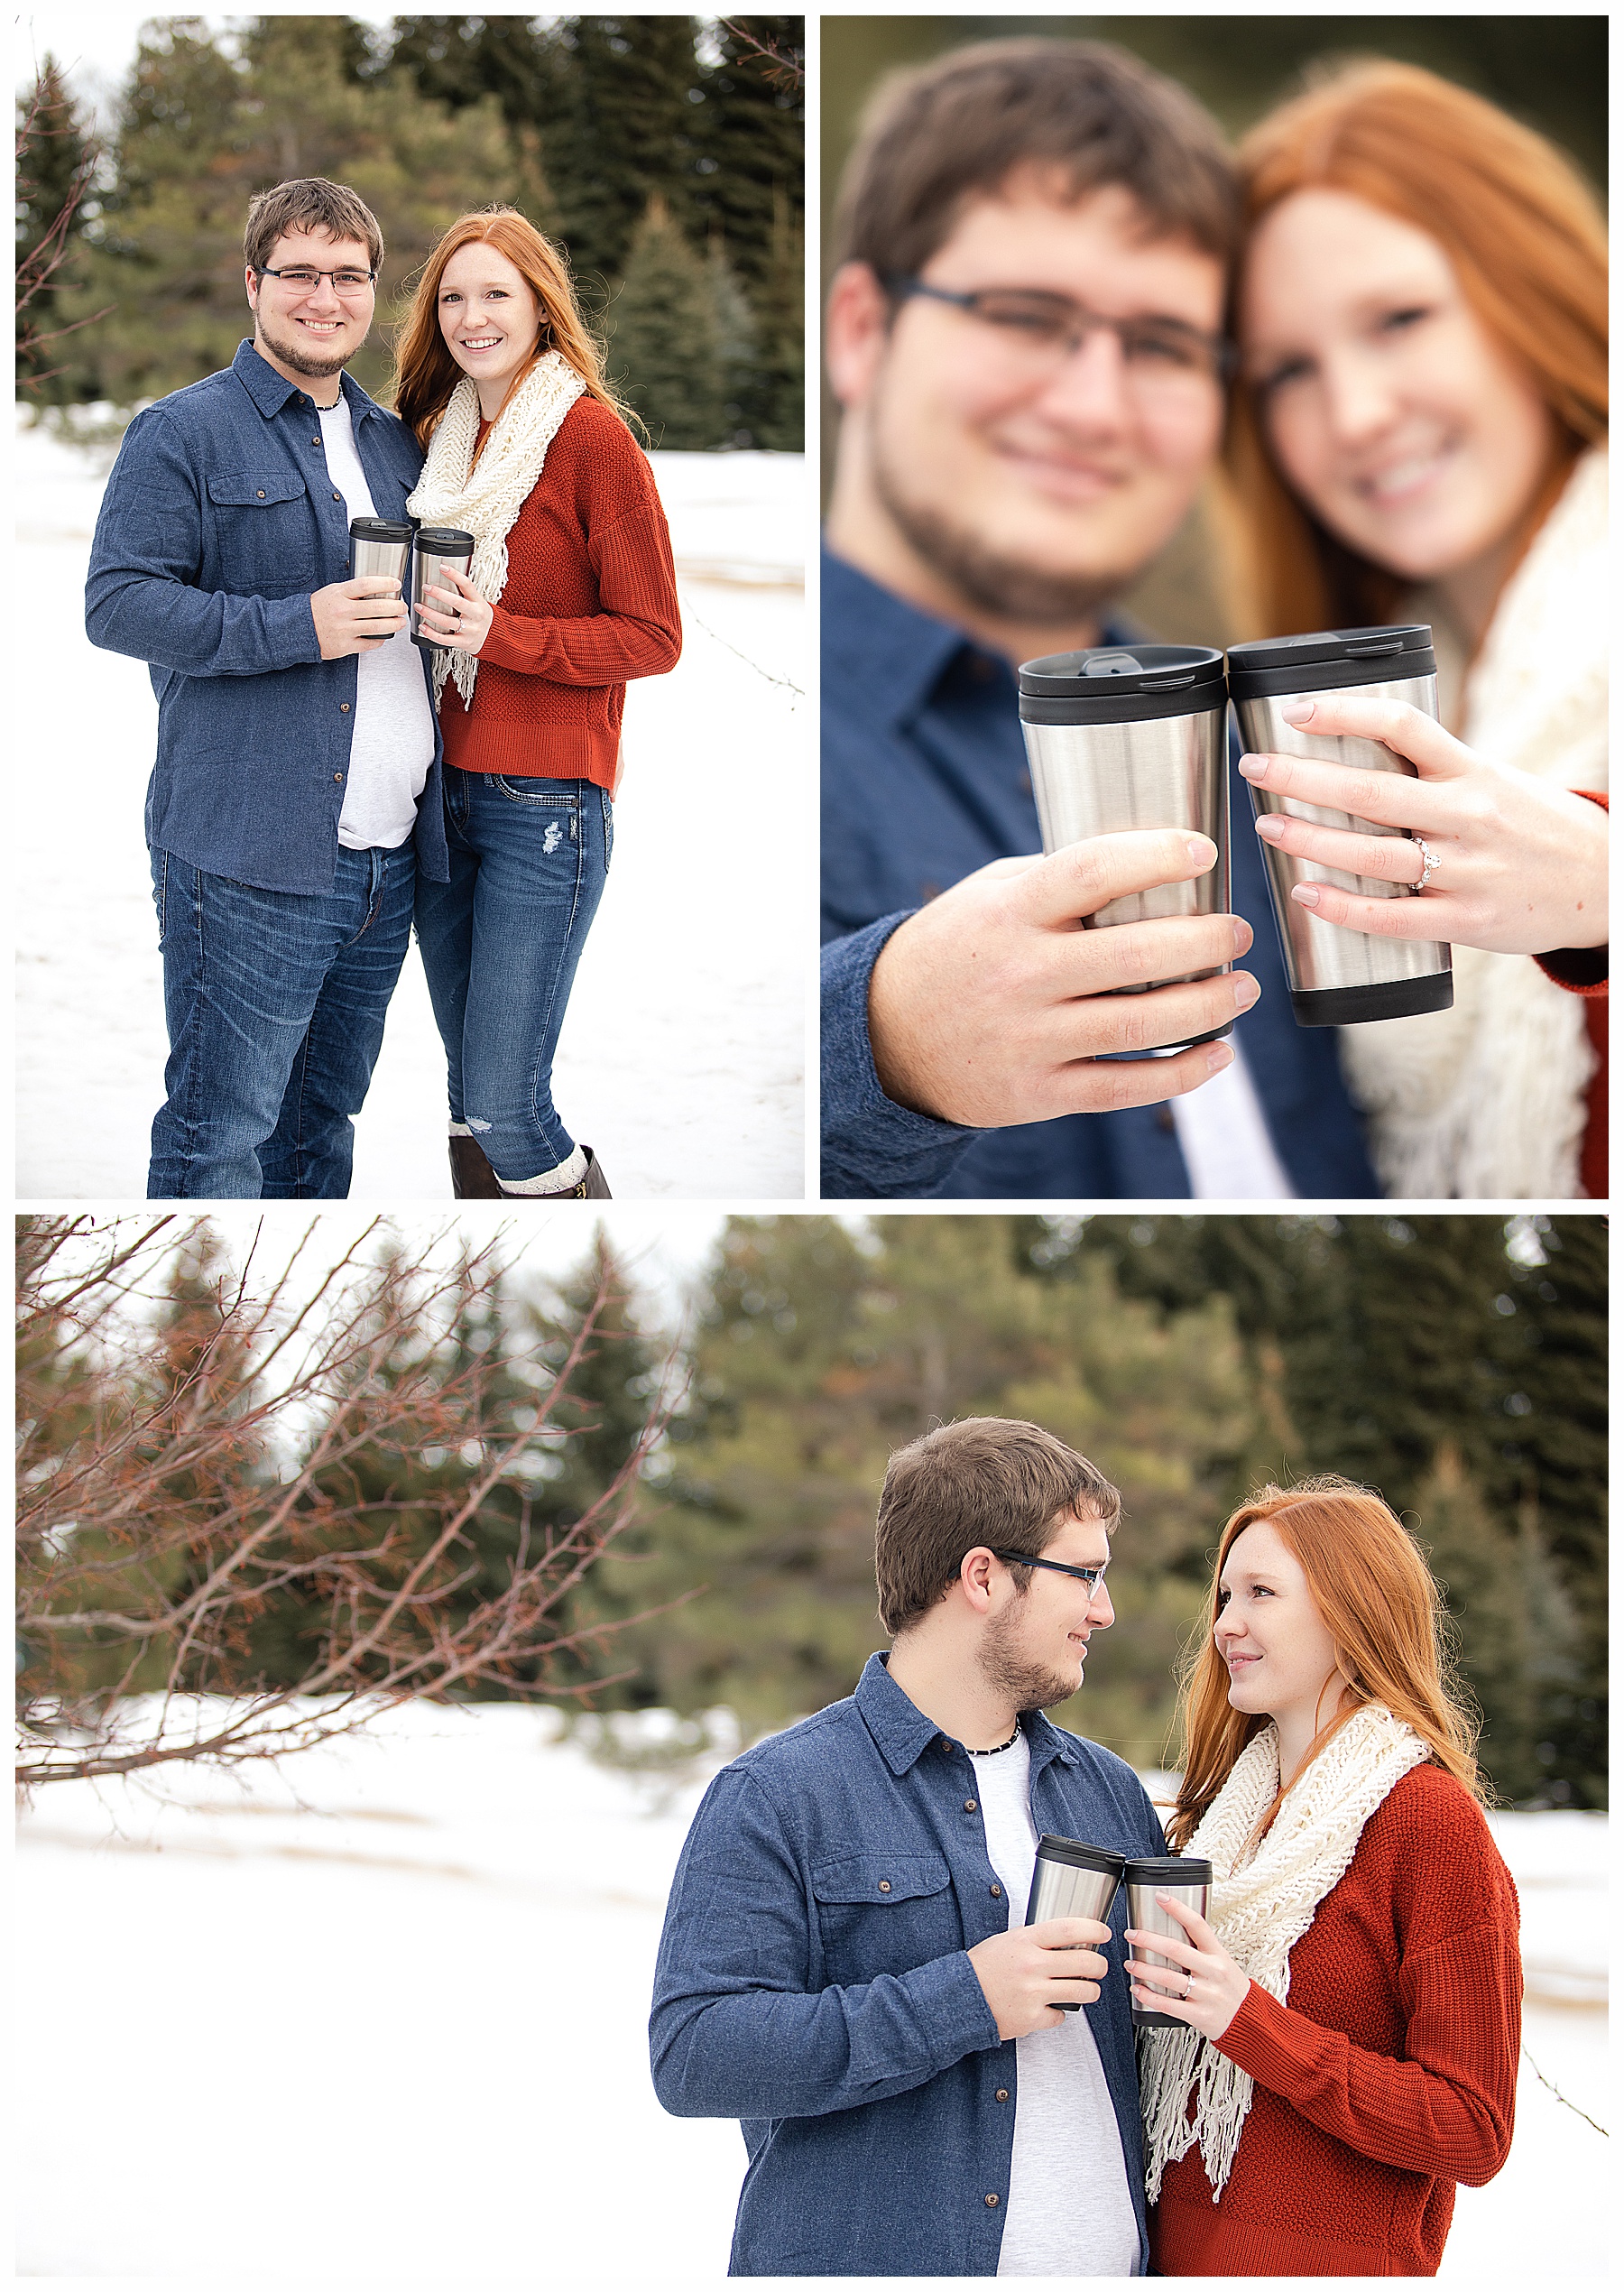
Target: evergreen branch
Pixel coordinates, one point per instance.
(1562, 2097)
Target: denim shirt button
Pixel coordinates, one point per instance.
(996, 1892)
(337, 498)
(992, 2199)
(337, 775)
(1003, 2093)
(885, 1886)
(969, 1806)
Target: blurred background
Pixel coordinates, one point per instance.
(1550, 71)
(351, 1815)
(664, 153)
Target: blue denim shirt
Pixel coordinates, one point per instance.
(813, 1983)
(924, 780)
(218, 523)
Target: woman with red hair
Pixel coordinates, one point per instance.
(569, 593)
(1420, 434)
(1351, 2012)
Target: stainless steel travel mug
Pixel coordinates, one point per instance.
(437, 545)
(1070, 1879)
(377, 545)
(1186, 1875)
(1118, 740)
(1339, 977)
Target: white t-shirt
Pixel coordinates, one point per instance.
(1070, 2211)
(1227, 1147)
(392, 745)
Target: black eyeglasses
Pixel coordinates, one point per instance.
(1089, 1576)
(301, 280)
(1041, 330)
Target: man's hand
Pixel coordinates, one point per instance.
(1025, 1974)
(356, 616)
(992, 1005)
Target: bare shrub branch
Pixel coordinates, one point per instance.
(302, 1494)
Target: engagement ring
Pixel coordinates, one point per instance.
(1429, 864)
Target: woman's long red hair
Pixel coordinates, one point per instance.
(425, 372)
(1527, 242)
(1378, 1600)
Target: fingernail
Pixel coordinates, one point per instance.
(1306, 894)
(1218, 1056)
(1271, 826)
(1243, 931)
(1246, 990)
(1296, 712)
(1252, 768)
(1202, 852)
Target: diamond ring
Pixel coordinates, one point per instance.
(1429, 864)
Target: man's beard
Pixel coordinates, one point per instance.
(1008, 588)
(298, 356)
(1030, 1687)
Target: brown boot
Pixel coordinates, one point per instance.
(472, 1177)
(594, 1186)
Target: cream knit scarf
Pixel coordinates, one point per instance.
(1260, 1906)
(484, 502)
(1488, 1098)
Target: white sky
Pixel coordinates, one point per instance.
(96, 46)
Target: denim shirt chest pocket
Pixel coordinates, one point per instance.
(264, 532)
(880, 1913)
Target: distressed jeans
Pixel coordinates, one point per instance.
(275, 1002)
(499, 944)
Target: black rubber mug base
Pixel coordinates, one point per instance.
(1392, 999)
(1156, 2021)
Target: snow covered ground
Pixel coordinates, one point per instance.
(682, 1058)
(381, 2016)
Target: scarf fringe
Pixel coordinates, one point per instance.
(1262, 1904)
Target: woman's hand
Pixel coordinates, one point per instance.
(1203, 1986)
(1522, 866)
(454, 613)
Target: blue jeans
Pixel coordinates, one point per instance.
(501, 942)
(275, 1002)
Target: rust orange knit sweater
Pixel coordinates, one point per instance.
(1390, 2075)
(590, 600)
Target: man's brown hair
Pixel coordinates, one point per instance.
(1081, 114)
(986, 1480)
(309, 203)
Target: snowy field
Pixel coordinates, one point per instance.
(682, 1056)
(380, 2017)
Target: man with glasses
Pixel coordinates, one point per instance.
(297, 782)
(845, 1965)
(1025, 339)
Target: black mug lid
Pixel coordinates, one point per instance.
(1079, 1856)
(1167, 1870)
(1326, 659)
(1114, 684)
(378, 529)
(445, 540)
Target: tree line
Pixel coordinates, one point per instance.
(664, 154)
(1455, 1364)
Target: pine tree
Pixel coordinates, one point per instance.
(623, 133)
(737, 344)
(201, 134)
(664, 347)
(56, 200)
